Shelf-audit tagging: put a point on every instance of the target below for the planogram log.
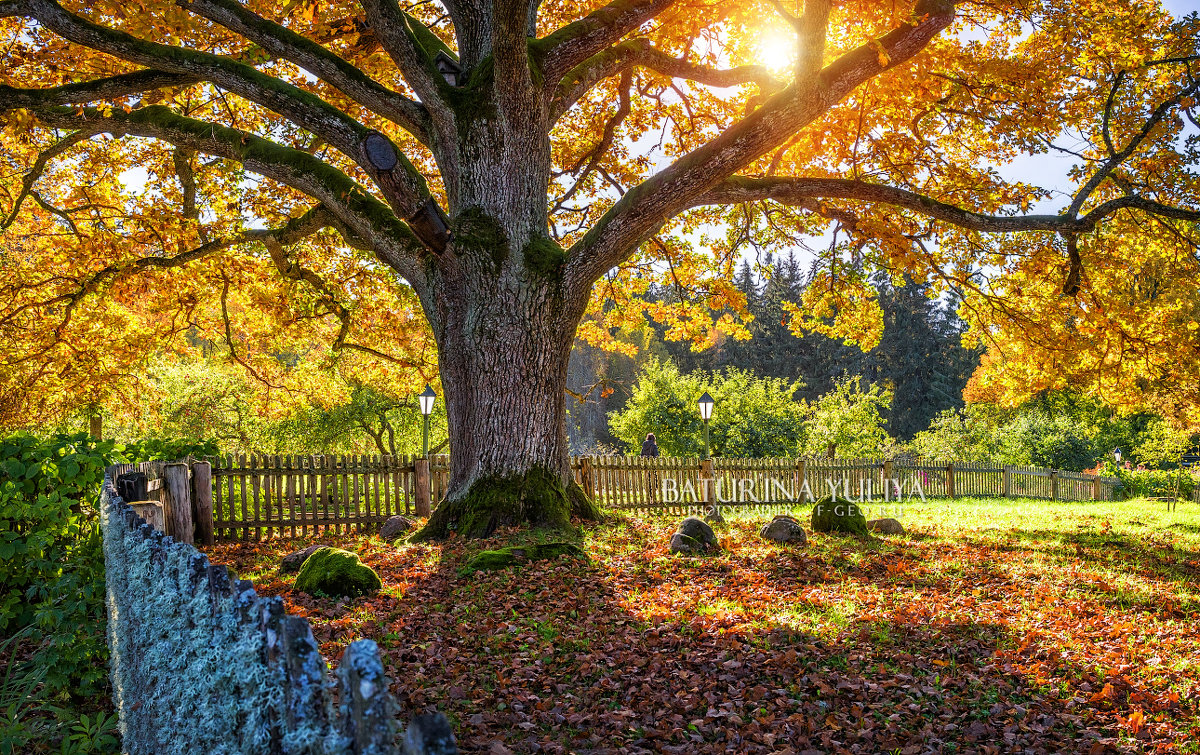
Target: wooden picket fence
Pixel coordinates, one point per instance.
(676, 485)
(255, 497)
(259, 496)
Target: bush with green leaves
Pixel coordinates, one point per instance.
(852, 420)
(754, 417)
(1059, 430)
(51, 564)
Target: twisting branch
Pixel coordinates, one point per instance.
(277, 247)
(1116, 157)
(800, 191)
(600, 29)
(646, 207)
(344, 76)
(108, 88)
(624, 107)
(640, 52)
(39, 167)
(363, 214)
(412, 47)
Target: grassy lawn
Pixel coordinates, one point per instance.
(991, 627)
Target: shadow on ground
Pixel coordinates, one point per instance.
(898, 645)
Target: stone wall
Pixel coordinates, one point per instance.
(202, 664)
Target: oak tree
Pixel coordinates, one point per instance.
(508, 167)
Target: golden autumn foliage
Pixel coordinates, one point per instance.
(130, 233)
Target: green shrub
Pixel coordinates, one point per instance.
(1153, 483)
(51, 563)
(755, 417)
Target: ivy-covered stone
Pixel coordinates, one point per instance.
(336, 573)
(831, 515)
(502, 558)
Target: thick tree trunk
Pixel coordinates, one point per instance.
(503, 321)
(504, 332)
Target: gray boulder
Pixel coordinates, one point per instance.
(292, 562)
(395, 526)
(698, 530)
(681, 543)
(784, 529)
(886, 526)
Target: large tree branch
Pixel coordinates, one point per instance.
(413, 48)
(362, 214)
(1115, 156)
(640, 52)
(808, 191)
(600, 29)
(405, 188)
(109, 88)
(647, 206)
(284, 43)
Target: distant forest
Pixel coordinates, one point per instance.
(920, 359)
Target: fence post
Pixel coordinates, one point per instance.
(585, 477)
(421, 485)
(1007, 481)
(950, 480)
(202, 501)
(176, 493)
(887, 479)
(1054, 484)
(1095, 487)
(709, 479)
(801, 475)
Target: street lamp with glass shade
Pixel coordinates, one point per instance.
(706, 407)
(426, 399)
(1117, 455)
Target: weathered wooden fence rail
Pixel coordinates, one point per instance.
(249, 498)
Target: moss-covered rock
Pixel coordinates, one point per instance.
(337, 573)
(502, 558)
(886, 526)
(831, 515)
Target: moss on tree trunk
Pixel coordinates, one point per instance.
(537, 498)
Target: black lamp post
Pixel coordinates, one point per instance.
(706, 406)
(427, 397)
(1117, 455)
